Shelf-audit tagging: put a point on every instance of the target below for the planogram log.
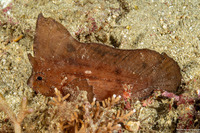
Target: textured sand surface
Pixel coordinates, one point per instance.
(172, 27)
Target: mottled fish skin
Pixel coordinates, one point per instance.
(99, 69)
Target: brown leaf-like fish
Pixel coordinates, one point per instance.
(99, 69)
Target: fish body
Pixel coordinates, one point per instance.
(99, 69)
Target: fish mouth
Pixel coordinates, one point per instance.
(30, 81)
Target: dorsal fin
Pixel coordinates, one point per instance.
(52, 39)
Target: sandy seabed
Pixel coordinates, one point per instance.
(172, 27)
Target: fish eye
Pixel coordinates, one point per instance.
(39, 78)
